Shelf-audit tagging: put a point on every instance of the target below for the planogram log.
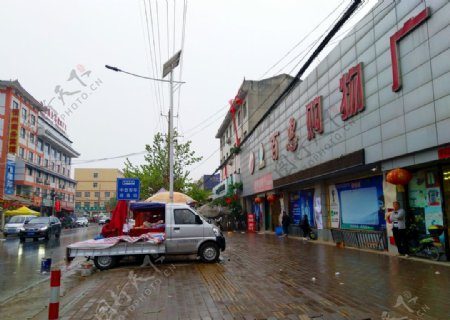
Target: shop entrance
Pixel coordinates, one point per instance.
(275, 210)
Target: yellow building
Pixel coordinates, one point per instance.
(95, 188)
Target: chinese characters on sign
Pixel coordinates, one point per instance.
(292, 138)
(314, 117)
(251, 225)
(408, 27)
(352, 92)
(14, 131)
(275, 145)
(128, 189)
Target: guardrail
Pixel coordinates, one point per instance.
(365, 239)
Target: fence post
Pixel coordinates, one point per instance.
(55, 283)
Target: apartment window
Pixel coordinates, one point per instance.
(33, 119)
(53, 179)
(24, 113)
(40, 145)
(30, 171)
(64, 171)
(32, 138)
(58, 155)
(244, 110)
(53, 166)
(78, 204)
(87, 194)
(87, 204)
(95, 185)
(15, 105)
(22, 132)
(21, 152)
(39, 160)
(95, 174)
(54, 153)
(46, 163)
(96, 204)
(78, 194)
(47, 148)
(107, 194)
(31, 156)
(239, 117)
(58, 167)
(97, 194)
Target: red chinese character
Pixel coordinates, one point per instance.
(314, 117)
(352, 92)
(274, 141)
(292, 138)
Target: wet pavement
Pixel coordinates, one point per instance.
(264, 277)
(20, 263)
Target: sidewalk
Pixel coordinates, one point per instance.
(264, 277)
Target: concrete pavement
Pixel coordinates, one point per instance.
(265, 277)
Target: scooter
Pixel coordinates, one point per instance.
(429, 245)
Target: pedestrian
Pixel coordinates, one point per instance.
(108, 230)
(285, 222)
(399, 228)
(304, 225)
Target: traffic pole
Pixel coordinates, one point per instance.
(55, 283)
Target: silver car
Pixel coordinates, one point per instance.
(12, 227)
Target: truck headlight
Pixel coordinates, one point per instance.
(216, 232)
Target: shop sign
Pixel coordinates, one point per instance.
(9, 179)
(314, 117)
(52, 115)
(408, 27)
(292, 138)
(220, 190)
(351, 86)
(264, 183)
(37, 201)
(251, 222)
(274, 143)
(14, 131)
(444, 153)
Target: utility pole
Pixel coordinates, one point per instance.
(168, 67)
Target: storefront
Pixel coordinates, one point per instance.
(375, 103)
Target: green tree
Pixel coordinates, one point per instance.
(154, 173)
(197, 193)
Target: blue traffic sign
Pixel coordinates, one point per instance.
(128, 188)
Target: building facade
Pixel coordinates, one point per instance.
(380, 100)
(36, 152)
(95, 188)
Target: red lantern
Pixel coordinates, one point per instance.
(398, 176)
(228, 200)
(271, 198)
(258, 200)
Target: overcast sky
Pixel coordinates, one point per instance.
(223, 42)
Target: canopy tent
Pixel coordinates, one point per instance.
(163, 196)
(119, 216)
(22, 211)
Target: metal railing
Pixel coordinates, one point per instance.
(365, 239)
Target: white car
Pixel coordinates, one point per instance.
(82, 222)
(15, 223)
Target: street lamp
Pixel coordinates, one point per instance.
(168, 67)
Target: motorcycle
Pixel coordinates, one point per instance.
(429, 245)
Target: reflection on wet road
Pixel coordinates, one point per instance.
(21, 262)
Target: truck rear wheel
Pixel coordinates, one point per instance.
(209, 252)
(105, 262)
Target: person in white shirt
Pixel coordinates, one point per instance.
(399, 228)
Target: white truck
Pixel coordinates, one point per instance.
(185, 232)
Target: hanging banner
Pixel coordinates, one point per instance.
(334, 207)
(318, 213)
(9, 178)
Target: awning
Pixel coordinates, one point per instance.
(18, 199)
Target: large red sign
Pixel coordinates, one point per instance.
(351, 86)
(314, 117)
(251, 222)
(408, 26)
(14, 131)
(444, 153)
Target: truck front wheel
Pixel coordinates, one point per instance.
(105, 262)
(209, 252)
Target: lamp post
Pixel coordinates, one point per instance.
(168, 67)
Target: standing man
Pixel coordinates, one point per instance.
(399, 228)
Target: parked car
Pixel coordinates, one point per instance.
(102, 220)
(82, 222)
(12, 227)
(40, 227)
